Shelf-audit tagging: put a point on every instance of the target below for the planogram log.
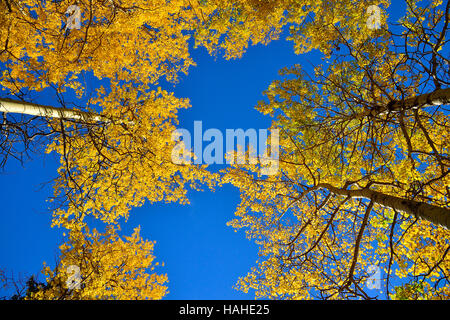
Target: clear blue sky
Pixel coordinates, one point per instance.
(203, 257)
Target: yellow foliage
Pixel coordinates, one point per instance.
(110, 268)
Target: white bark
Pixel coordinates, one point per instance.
(434, 98)
(12, 106)
(434, 214)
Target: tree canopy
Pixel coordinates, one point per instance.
(364, 136)
(364, 169)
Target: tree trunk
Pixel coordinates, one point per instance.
(13, 106)
(434, 98)
(434, 214)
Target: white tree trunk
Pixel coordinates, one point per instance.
(434, 98)
(12, 106)
(434, 214)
